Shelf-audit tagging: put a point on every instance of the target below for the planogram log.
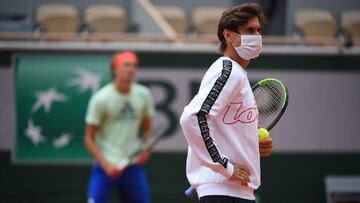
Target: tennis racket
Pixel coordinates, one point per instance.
(271, 96)
(147, 145)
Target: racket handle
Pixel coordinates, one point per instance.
(191, 193)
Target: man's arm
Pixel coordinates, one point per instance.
(89, 141)
(146, 133)
(146, 126)
(90, 144)
(195, 121)
(215, 94)
(148, 114)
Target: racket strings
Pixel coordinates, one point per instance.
(270, 105)
(270, 98)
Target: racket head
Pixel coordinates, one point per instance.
(272, 97)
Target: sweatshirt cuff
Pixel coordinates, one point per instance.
(229, 170)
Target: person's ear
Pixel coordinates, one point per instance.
(227, 35)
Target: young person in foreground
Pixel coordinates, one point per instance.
(220, 123)
(115, 115)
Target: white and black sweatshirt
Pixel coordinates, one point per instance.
(220, 125)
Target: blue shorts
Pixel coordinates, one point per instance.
(131, 186)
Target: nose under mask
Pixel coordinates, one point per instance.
(250, 48)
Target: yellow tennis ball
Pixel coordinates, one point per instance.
(263, 134)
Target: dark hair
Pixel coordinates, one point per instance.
(236, 16)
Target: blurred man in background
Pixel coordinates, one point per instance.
(220, 123)
(115, 115)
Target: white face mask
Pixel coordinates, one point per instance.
(251, 46)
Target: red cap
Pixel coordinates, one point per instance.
(126, 56)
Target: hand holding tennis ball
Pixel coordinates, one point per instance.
(265, 142)
(263, 134)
